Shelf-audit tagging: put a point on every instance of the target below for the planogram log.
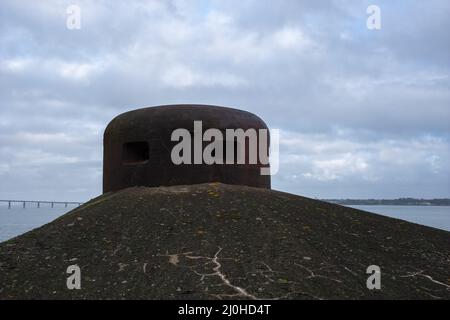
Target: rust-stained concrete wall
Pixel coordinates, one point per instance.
(137, 148)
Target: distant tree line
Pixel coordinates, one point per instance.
(392, 202)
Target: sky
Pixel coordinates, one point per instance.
(362, 113)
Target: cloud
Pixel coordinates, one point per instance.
(364, 113)
(313, 163)
(179, 76)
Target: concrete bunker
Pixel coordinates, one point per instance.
(137, 148)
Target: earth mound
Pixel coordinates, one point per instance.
(216, 241)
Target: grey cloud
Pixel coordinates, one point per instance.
(311, 68)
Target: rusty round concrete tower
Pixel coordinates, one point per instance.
(137, 148)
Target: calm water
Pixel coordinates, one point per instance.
(17, 220)
(432, 216)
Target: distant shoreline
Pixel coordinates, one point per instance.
(391, 202)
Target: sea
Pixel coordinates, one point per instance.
(18, 220)
(431, 216)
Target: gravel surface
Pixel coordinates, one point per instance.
(216, 241)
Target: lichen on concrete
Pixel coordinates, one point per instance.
(216, 241)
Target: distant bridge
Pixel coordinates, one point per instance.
(39, 202)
